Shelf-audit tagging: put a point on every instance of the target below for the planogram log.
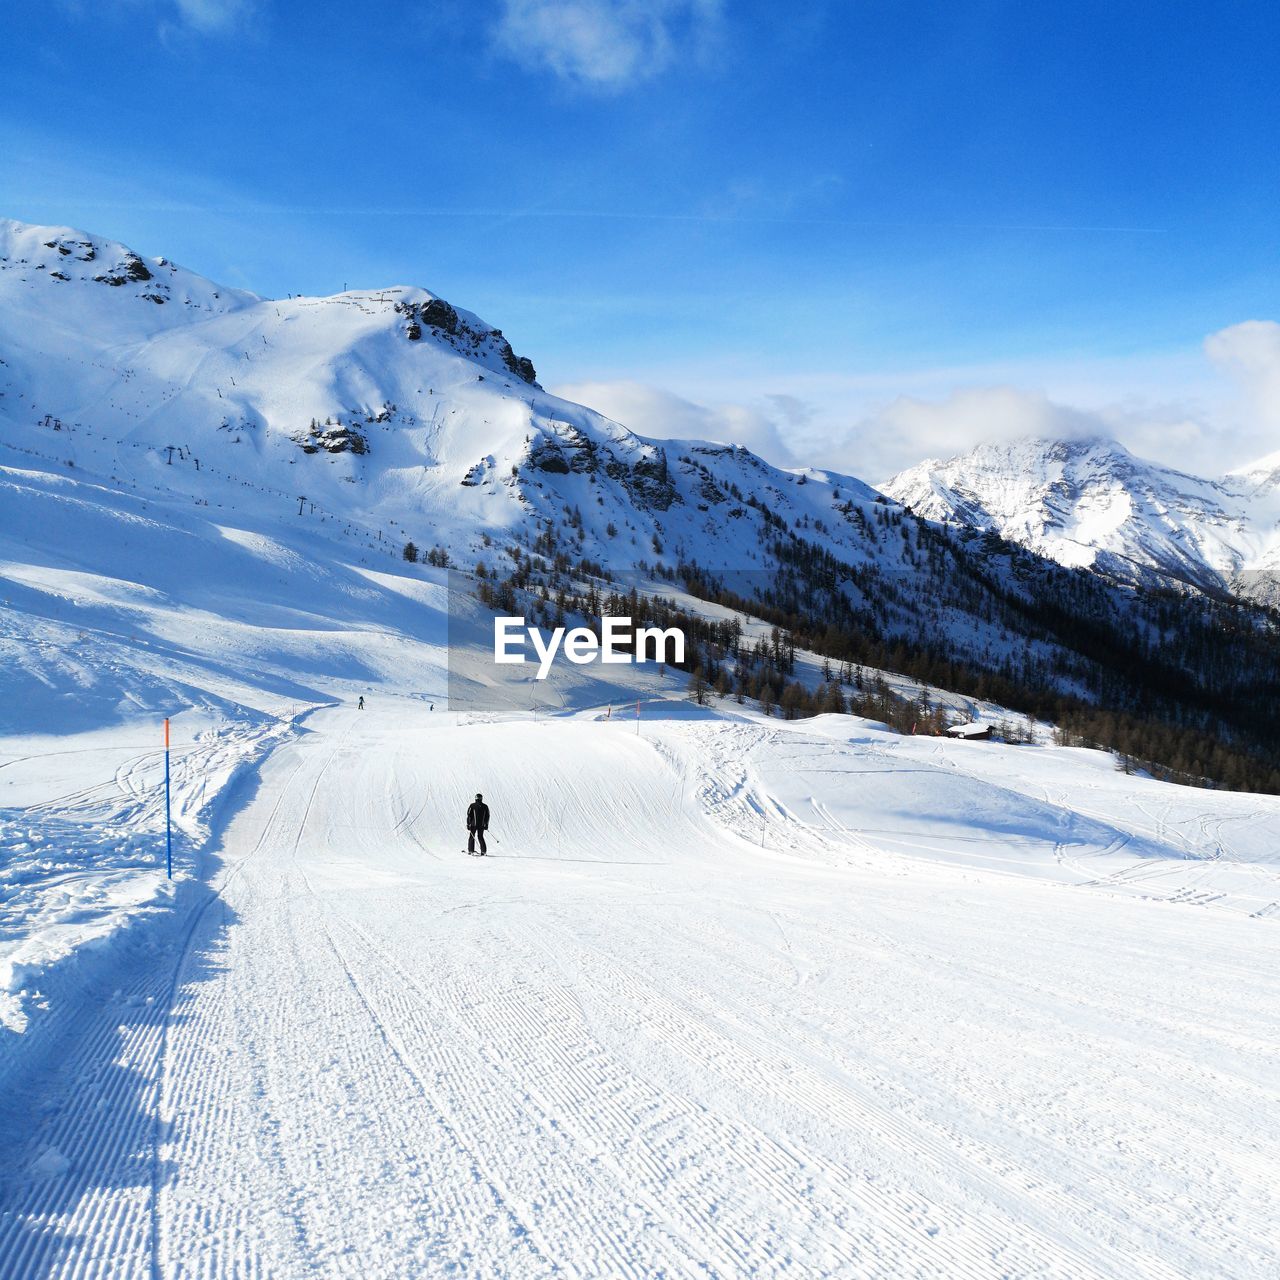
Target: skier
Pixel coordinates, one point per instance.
(477, 824)
(360, 704)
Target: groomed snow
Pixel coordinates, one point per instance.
(729, 997)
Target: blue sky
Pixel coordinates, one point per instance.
(823, 228)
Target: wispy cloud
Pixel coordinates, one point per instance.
(973, 414)
(606, 45)
(1250, 353)
(652, 411)
(1173, 406)
(213, 16)
(1180, 430)
(177, 17)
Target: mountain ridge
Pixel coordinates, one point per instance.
(1093, 504)
(263, 463)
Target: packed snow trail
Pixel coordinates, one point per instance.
(629, 1043)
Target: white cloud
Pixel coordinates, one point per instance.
(835, 429)
(212, 16)
(651, 411)
(976, 415)
(201, 17)
(880, 440)
(791, 409)
(605, 44)
(1250, 353)
(1172, 406)
(909, 429)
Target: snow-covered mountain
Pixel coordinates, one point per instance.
(1091, 503)
(247, 457)
(389, 406)
(205, 495)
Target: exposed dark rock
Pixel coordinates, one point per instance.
(131, 271)
(653, 466)
(440, 315)
(647, 480)
(650, 481)
(444, 319)
(333, 438)
(521, 366)
(711, 492)
(546, 455)
(582, 451)
(568, 450)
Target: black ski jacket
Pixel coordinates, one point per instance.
(477, 816)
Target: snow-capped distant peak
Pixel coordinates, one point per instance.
(1262, 471)
(1090, 502)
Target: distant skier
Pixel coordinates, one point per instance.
(360, 704)
(477, 824)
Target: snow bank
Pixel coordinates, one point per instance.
(82, 843)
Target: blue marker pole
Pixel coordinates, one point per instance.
(168, 818)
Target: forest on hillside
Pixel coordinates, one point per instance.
(1182, 685)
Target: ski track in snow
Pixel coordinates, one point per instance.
(698, 1021)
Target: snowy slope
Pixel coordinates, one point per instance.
(730, 998)
(204, 495)
(734, 997)
(1091, 503)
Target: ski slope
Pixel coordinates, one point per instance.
(730, 997)
(733, 996)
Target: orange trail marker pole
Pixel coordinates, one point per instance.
(168, 812)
